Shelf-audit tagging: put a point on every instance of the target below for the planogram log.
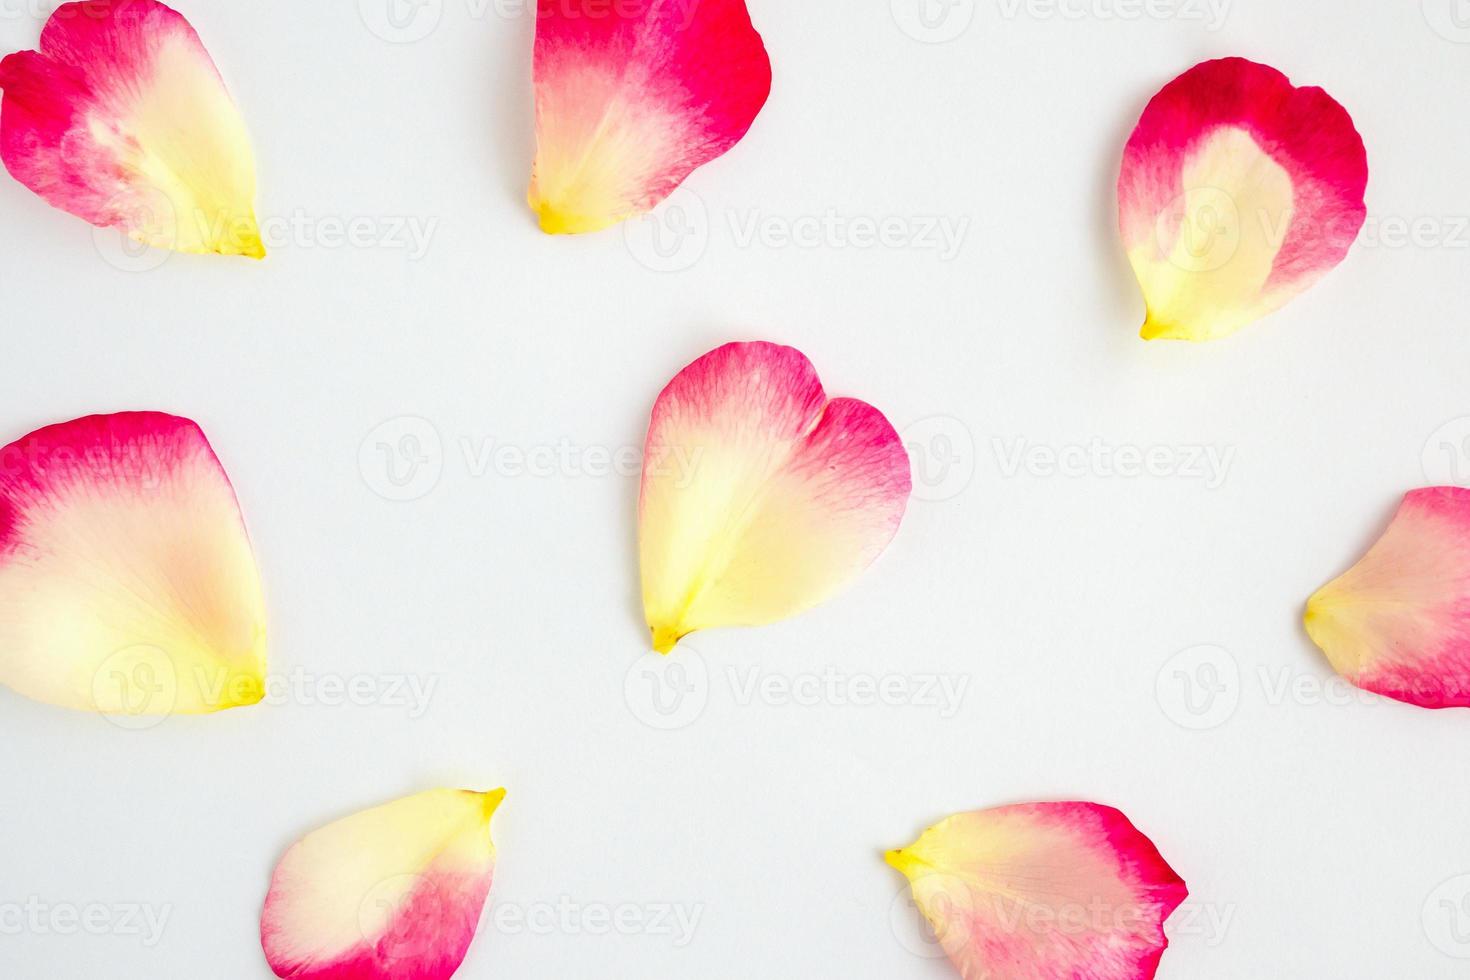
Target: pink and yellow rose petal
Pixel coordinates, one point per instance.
(781, 496)
(121, 118)
(1041, 891)
(632, 98)
(1238, 192)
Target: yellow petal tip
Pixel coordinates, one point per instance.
(492, 801)
(1316, 620)
(239, 690)
(559, 216)
(251, 694)
(901, 860)
(1155, 329)
(555, 221)
(247, 242)
(665, 638)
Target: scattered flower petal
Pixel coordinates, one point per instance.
(127, 583)
(122, 119)
(761, 498)
(1398, 622)
(1238, 192)
(391, 893)
(1043, 891)
(632, 98)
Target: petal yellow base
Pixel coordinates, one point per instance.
(665, 638)
(1156, 329)
(556, 220)
(903, 862)
(1340, 625)
(492, 801)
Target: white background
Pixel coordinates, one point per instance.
(1322, 832)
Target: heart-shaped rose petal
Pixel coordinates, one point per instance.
(761, 497)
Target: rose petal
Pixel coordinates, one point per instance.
(127, 583)
(631, 98)
(122, 119)
(761, 498)
(1238, 192)
(1398, 622)
(1042, 891)
(391, 893)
